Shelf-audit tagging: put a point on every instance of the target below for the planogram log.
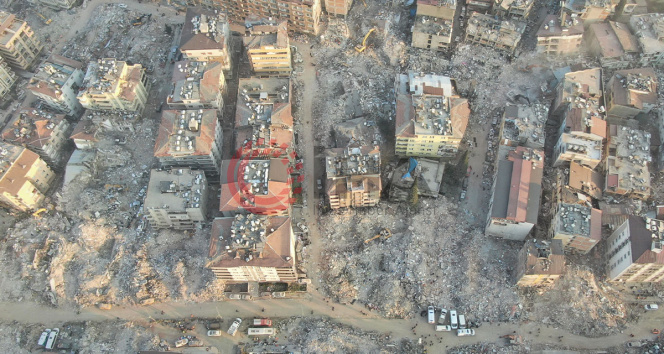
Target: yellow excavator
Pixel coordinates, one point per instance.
(47, 21)
(361, 48)
(38, 213)
(385, 233)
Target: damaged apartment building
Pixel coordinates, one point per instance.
(580, 179)
(574, 221)
(519, 9)
(252, 248)
(100, 126)
(57, 82)
(56, 4)
(353, 176)
(338, 7)
(515, 198)
(634, 250)
(268, 49)
(649, 31)
(540, 263)
(24, 178)
(523, 125)
(433, 25)
(190, 138)
(257, 186)
(112, 85)
(7, 79)
(42, 132)
(613, 44)
(302, 15)
(590, 11)
(197, 85)
(630, 93)
(487, 31)
(206, 37)
(19, 45)
(431, 119)
(176, 198)
(263, 117)
(560, 35)
(627, 163)
(582, 130)
(426, 173)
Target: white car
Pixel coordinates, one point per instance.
(651, 307)
(44, 337)
(122, 6)
(465, 332)
(443, 316)
(279, 294)
(234, 296)
(214, 333)
(431, 315)
(443, 328)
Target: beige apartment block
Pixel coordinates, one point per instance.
(7, 79)
(57, 4)
(24, 178)
(263, 117)
(434, 22)
(575, 223)
(57, 82)
(338, 7)
(627, 163)
(582, 134)
(190, 138)
(268, 50)
(302, 15)
(630, 93)
(586, 83)
(540, 263)
(353, 176)
(513, 8)
(197, 85)
(502, 35)
(649, 30)
(590, 11)
(44, 133)
(176, 198)
(560, 35)
(634, 251)
(111, 84)
(18, 44)
(252, 248)
(516, 193)
(431, 119)
(613, 44)
(206, 37)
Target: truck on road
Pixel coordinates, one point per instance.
(262, 322)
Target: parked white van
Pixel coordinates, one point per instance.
(443, 316)
(462, 321)
(453, 319)
(432, 315)
(443, 328)
(465, 332)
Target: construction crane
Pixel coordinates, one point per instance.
(361, 48)
(47, 21)
(385, 233)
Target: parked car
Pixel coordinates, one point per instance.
(279, 294)
(463, 195)
(443, 328)
(246, 297)
(634, 344)
(320, 184)
(443, 316)
(234, 296)
(214, 333)
(465, 332)
(651, 307)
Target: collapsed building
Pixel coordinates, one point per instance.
(96, 126)
(627, 163)
(57, 4)
(426, 173)
(197, 85)
(7, 79)
(42, 132)
(111, 85)
(581, 179)
(24, 178)
(502, 35)
(590, 11)
(302, 15)
(513, 8)
(540, 263)
(205, 36)
(516, 192)
(57, 82)
(634, 251)
(575, 222)
(176, 198)
(560, 35)
(353, 176)
(630, 93)
(268, 49)
(649, 30)
(252, 248)
(263, 117)
(431, 119)
(434, 23)
(190, 138)
(18, 44)
(523, 125)
(613, 44)
(257, 186)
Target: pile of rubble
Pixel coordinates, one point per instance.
(431, 259)
(320, 335)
